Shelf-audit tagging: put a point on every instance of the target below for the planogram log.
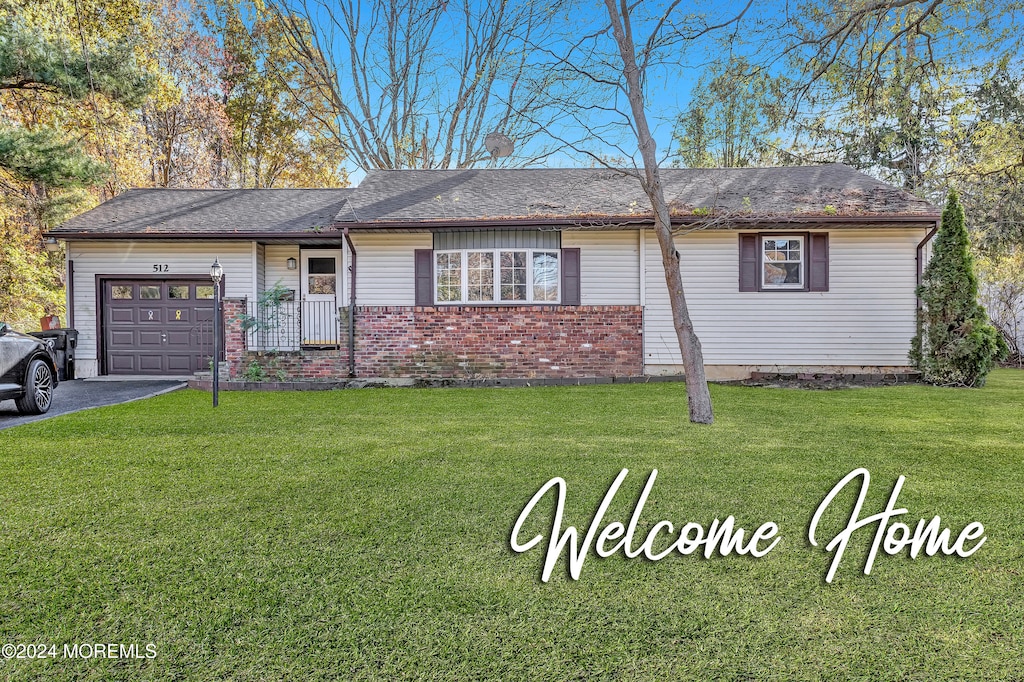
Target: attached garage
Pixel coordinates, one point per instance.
(165, 239)
(156, 326)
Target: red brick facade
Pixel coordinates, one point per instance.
(232, 310)
(512, 342)
(464, 342)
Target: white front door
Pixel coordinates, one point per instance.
(321, 288)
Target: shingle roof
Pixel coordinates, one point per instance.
(210, 211)
(453, 195)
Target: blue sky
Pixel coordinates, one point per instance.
(669, 85)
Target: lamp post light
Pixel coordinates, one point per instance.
(216, 273)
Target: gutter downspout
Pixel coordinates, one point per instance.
(70, 287)
(920, 259)
(351, 308)
(920, 277)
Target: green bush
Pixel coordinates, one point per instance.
(255, 372)
(955, 345)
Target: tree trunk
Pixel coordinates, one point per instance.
(697, 394)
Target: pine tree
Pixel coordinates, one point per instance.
(956, 345)
(29, 62)
(46, 167)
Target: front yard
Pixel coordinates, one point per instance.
(365, 534)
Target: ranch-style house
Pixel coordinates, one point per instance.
(503, 274)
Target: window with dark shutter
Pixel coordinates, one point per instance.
(772, 261)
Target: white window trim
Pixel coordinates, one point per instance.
(496, 259)
(803, 262)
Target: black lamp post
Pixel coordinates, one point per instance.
(216, 273)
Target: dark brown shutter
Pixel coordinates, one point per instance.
(570, 276)
(818, 262)
(748, 262)
(424, 277)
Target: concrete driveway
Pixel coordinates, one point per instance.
(72, 396)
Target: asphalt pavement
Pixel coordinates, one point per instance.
(72, 396)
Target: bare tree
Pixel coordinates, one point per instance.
(420, 83)
(399, 103)
(612, 112)
(633, 72)
(697, 395)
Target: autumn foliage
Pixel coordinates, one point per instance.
(96, 97)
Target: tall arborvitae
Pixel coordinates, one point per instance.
(956, 345)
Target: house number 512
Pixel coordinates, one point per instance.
(162, 268)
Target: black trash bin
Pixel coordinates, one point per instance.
(65, 341)
(69, 354)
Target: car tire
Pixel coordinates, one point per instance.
(39, 387)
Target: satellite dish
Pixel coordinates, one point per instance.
(498, 144)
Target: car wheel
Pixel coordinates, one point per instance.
(38, 389)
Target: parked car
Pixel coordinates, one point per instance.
(28, 371)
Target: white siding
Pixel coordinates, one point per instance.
(186, 260)
(385, 267)
(276, 266)
(609, 263)
(260, 255)
(609, 266)
(866, 317)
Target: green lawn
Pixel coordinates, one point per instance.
(365, 534)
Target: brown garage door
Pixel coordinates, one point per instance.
(157, 326)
